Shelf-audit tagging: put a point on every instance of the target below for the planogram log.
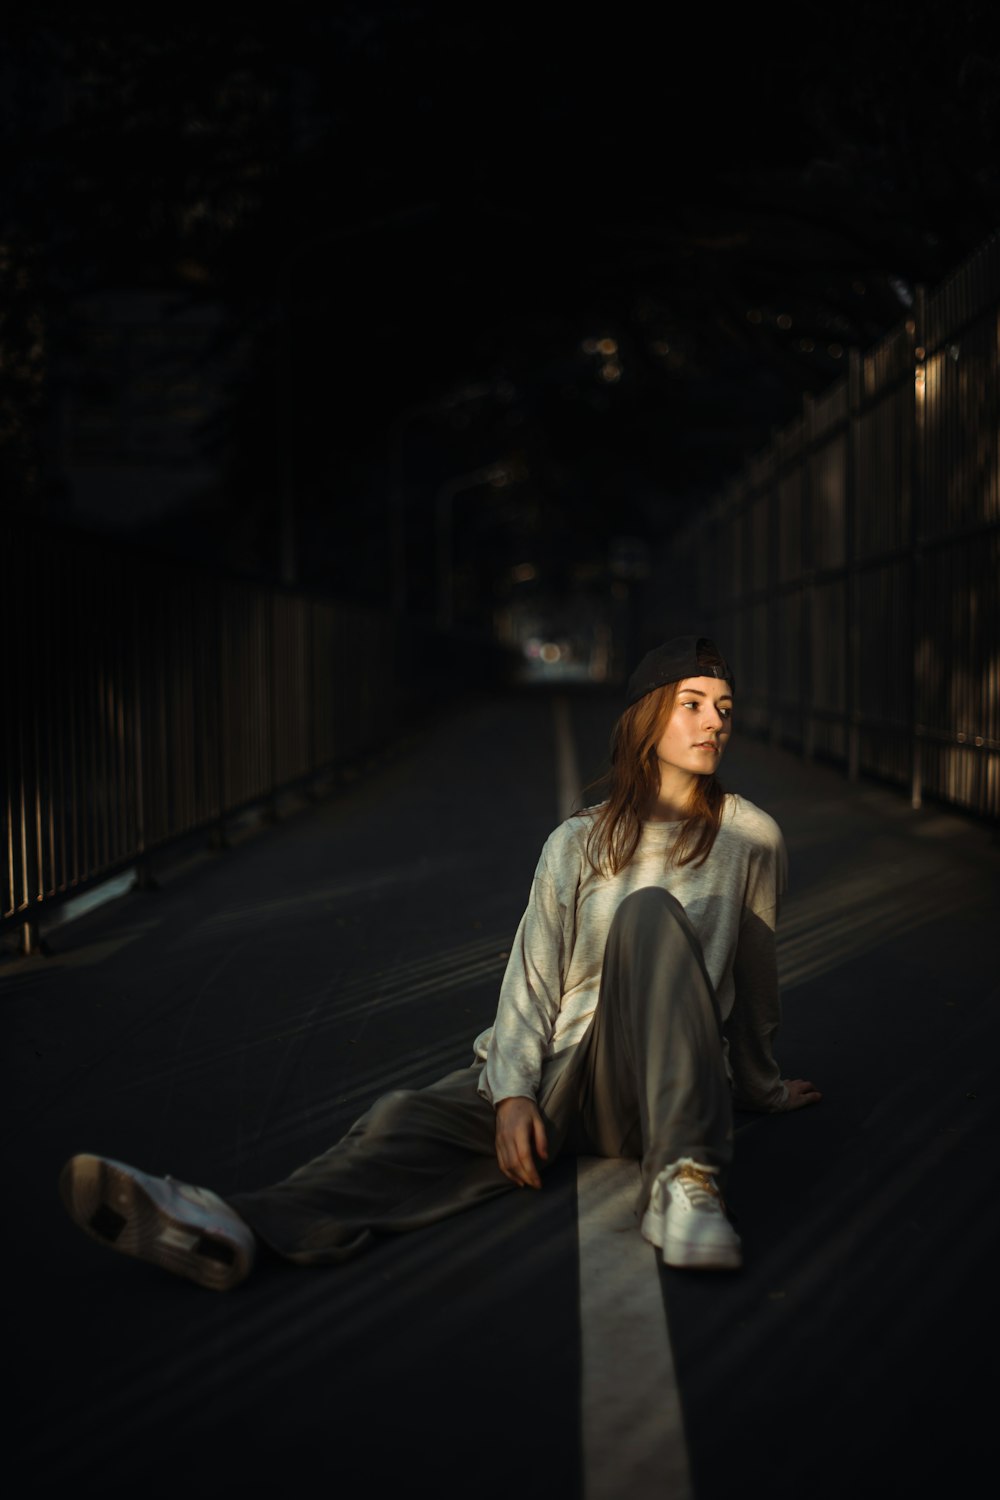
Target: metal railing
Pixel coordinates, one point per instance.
(143, 702)
(853, 569)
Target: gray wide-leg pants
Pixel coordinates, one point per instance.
(646, 1081)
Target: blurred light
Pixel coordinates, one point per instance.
(611, 372)
(661, 347)
(550, 653)
(533, 648)
(911, 326)
(806, 345)
(753, 316)
(193, 270)
(919, 381)
(919, 352)
(607, 346)
(954, 350)
(524, 572)
(589, 346)
(835, 351)
(784, 321)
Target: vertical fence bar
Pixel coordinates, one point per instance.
(772, 573)
(808, 584)
(918, 480)
(217, 836)
(271, 645)
(851, 601)
(140, 811)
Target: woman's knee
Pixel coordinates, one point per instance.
(390, 1111)
(651, 903)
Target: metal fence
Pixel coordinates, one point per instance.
(143, 702)
(853, 569)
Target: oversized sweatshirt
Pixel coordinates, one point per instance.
(551, 985)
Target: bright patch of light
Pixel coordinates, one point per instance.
(903, 290)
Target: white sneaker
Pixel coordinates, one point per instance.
(686, 1219)
(188, 1230)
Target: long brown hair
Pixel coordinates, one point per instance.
(633, 782)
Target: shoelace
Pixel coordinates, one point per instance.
(700, 1189)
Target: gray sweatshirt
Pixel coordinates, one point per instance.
(550, 989)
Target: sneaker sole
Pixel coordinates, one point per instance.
(127, 1211)
(684, 1256)
(651, 1228)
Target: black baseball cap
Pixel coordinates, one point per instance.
(672, 662)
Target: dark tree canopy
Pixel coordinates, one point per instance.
(391, 205)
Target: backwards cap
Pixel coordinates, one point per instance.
(672, 662)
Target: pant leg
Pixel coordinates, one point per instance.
(417, 1156)
(648, 1079)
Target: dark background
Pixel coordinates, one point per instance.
(266, 287)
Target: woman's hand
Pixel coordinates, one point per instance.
(520, 1128)
(800, 1093)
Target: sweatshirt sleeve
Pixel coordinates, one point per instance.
(530, 996)
(756, 1015)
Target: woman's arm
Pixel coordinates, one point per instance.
(530, 997)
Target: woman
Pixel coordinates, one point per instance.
(640, 1002)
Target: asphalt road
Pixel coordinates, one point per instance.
(233, 1022)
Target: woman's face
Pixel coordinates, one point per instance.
(699, 726)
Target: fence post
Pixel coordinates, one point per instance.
(271, 679)
(773, 603)
(851, 602)
(807, 573)
(24, 662)
(217, 838)
(143, 878)
(311, 607)
(918, 331)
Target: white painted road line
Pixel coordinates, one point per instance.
(630, 1413)
(630, 1418)
(567, 771)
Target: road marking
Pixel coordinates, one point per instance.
(630, 1417)
(567, 771)
(630, 1413)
